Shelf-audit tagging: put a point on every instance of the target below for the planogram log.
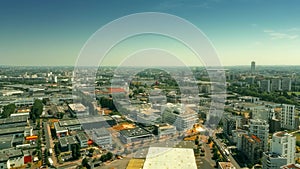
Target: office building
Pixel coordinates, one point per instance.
(179, 116)
(100, 136)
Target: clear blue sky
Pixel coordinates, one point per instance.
(35, 32)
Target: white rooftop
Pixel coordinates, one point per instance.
(170, 158)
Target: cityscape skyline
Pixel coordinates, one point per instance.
(50, 34)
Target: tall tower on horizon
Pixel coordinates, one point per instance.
(252, 67)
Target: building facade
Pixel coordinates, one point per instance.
(260, 128)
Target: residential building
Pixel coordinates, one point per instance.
(265, 85)
(272, 160)
(252, 148)
(276, 84)
(284, 144)
(287, 117)
(231, 123)
(286, 84)
(260, 128)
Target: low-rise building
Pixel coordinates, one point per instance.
(100, 136)
(225, 165)
(60, 130)
(83, 139)
(67, 142)
(165, 130)
(272, 160)
(11, 158)
(134, 135)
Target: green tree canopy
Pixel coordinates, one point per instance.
(36, 109)
(8, 110)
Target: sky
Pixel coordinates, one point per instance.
(52, 33)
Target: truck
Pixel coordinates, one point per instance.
(50, 161)
(50, 151)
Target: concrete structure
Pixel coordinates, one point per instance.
(60, 130)
(252, 67)
(265, 85)
(252, 148)
(15, 121)
(83, 139)
(287, 117)
(284, 144)
(179, 116)
(231, 123)
(274, 125)
(276, 84)
(101, 136)
(165, 130)
(11, 158)
(78, 109)
(273, 160)
(175, 158)
(67, 142)
(286, 84)
(260, 128)
(135, 135)
(226, 165)
(71, 125)
(237, 137)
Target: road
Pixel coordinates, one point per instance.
(221, 147)
(49, 142)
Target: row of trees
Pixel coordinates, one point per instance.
(277, 97)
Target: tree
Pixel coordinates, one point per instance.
(36, 110)
(8, 110)
(85, 163)
(75, 151)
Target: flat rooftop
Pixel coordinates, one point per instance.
(6, 131)
(69, 140)
(175, 158)
(134, 132)
(66, 123)
(15, 119)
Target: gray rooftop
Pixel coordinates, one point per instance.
(14, 130)
(134, 132)
(15, 119)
